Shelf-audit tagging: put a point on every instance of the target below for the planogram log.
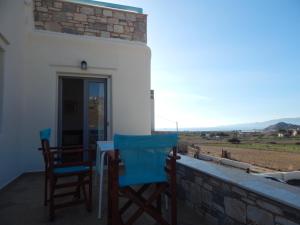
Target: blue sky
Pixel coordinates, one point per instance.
(222, 62)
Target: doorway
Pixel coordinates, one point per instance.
(82, 111)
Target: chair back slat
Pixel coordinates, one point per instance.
(145, 155)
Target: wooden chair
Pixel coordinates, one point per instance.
(150, 164)
(56, 169)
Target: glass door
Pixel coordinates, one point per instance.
(95, 112)
(82, 111)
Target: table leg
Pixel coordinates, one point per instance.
(97, 164)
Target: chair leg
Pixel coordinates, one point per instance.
(90, 192)
(145, 205)
(85, 195)
(51, 208)
(173, 208)
(110, 194)
(173, 194)
(115, 209)
(77, 194)
(158, 201)
(114, 206)
(109, 209)
(130, 202)
(46, 189)
(115, 215)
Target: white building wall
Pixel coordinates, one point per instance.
(11, 19)
(127, 64)
(47, 54)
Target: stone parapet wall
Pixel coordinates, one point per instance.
(73, 18)
(222, 203)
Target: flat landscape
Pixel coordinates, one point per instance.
(259, 149)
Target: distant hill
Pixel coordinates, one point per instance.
(243, 127)
(281, 126)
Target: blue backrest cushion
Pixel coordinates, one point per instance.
(45, 134)
(146, 154)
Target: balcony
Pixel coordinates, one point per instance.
(207, 194)
(22, 203)
(91, 18)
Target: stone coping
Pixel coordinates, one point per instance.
(108, 5)
(276, 191)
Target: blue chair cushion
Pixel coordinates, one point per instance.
(71, 169)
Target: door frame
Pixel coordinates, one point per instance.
(108, 102)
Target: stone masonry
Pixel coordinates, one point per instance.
(74, 18)
(223, 203)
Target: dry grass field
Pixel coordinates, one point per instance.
(274, 160)
(280, 154)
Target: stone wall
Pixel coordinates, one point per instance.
(223, 203)
(74, 18)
